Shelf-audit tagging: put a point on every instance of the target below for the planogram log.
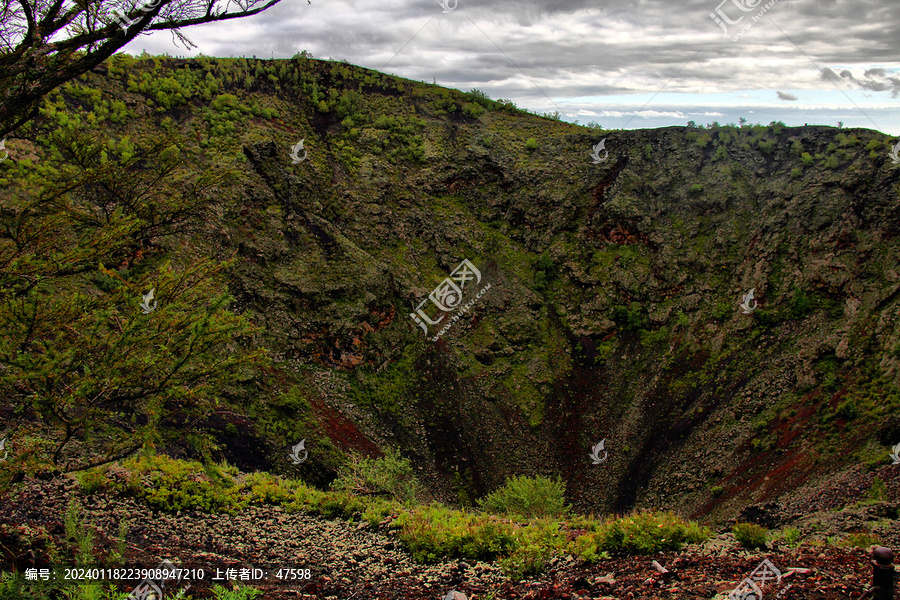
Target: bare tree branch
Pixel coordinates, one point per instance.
(85, 33)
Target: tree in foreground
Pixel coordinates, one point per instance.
(84, 33)
(91, 366)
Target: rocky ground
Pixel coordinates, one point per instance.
(360, 562)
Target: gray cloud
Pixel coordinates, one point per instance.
(570, 49)
(786, 96)
(875, 80)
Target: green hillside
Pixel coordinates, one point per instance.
(285, 288)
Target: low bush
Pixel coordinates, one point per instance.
(526, 561)
(528, 497)
(390, 476)
(791, 536)
(535, 546)
(435, 532)
(641, 533)
(472, 110)
(750, 535)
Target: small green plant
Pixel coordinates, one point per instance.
(528, 497)
(696, 188)
(750, 535)
(800, 305)
(717, 490)
(791, 536)
(472, 110)
(83, 537)
(531, 144)
(237, 593)
(632, 317)
(876, 493)
(390, 476)
(766, 146)
(722, 310)
(854, 540)
(118, 554)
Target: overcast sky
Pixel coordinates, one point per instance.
(623, 64)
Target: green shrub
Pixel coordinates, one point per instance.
(528, 497)
(717, 490)
(536, 544)
(472, 110)
(435, 532)
(640, 533)
(526, 561)
(632, 317)
(545, 270)
(696, 188)
(800, 305)
(390, 476)
(479, 97)
(263, 488)
(172, 485)
(653, 338)
(791, 536)
(796, 172)
(723, 310)
(831, 162)
(531, 144)
(750, 535)
(766, 146)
